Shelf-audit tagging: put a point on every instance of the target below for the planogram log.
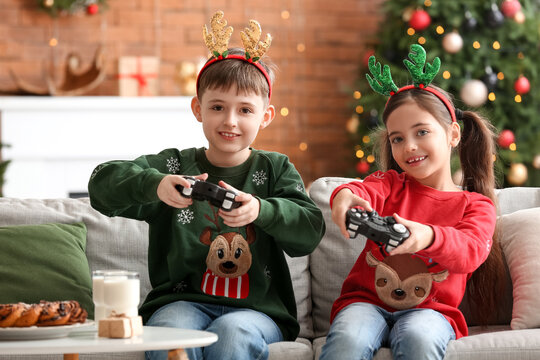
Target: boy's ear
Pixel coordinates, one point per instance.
(455, 134)
(196, 108)
(269, 115)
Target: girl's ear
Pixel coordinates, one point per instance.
(269, 115)
(455, 134)
(196, 108)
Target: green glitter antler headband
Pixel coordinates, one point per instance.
(383, 84)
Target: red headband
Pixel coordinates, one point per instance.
(438, 94)
(237, 57)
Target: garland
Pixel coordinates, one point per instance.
(69, 7)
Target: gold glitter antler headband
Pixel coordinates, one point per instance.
(251, 36)
(217, 42)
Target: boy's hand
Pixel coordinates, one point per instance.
(422, 236)
(168, 193)
(243, 215)
(343, 201)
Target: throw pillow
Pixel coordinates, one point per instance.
(520, 241)
(45, 262)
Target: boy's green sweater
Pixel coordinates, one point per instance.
(183, 250)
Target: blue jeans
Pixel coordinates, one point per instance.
(360, 329)
(243, 334)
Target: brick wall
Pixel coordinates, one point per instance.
(315, 84)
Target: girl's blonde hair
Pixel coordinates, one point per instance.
(476, 150)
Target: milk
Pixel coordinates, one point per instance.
(98, 296)
(121, 294)
(115, 291)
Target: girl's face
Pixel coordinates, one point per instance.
(231, 123)
(421, 146)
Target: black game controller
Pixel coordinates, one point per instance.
(202, 190)
(382, 230)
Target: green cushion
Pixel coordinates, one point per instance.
(45, 262)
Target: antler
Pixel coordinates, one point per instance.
(214, 221)
(416, 69)
(381, 82)
(217, 41)
(255, 49)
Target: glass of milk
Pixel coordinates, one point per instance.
(98, 295)
(121, 291)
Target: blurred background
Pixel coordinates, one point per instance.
(138, 59)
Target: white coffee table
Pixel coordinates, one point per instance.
(87, 341)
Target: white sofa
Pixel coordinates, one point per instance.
(317, 278)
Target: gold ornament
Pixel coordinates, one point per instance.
(186, 77)
(536, 161)
(517, 175)
(48, 3)
(352, 124)
(519, 17)
(407, 14)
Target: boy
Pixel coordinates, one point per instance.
(214, 269)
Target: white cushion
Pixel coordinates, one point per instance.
(520, 239)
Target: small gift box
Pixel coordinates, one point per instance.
(138, 76)
(120, 326)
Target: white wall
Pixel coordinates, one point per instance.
(56, 142)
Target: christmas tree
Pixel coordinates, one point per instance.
(489, 53)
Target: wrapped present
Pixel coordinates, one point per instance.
(120, 326)
(138, 76)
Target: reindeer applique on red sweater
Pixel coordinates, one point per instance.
(403, 281)
(228, 261)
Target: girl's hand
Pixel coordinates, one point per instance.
(168, 193)
(243, 215)
(421, 237)
(343, 201)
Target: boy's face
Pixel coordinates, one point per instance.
(230, 123)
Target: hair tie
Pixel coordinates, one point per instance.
(459, 113)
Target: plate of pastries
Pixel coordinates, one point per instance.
(44, 320)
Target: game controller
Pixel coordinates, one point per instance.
(216, 195)
(382, 230)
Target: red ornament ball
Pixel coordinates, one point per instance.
(369, 53)
(522, 85)
(509, 8)
(506, 138)
(362, 167)
(92, 9)
(420, 20)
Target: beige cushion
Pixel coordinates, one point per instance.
(299, 269)
(332, 260)
(520, 240)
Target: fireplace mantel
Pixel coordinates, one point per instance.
(55, 142)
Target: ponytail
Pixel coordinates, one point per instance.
(476, 151)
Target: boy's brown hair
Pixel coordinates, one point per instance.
(246, 77)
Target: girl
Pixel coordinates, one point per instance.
(408, 299)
